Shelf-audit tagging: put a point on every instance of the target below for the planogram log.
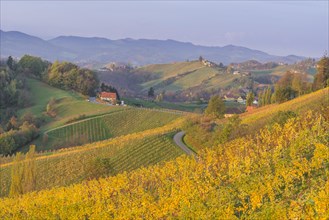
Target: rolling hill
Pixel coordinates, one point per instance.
(138, 52)
(180, 80)
(279, 172)
(140, 147)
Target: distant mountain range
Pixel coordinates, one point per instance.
(138, 52)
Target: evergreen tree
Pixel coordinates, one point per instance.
(321, 79)
(10, 63)
(250, 98)
(216, 107)
(267, 95)
(150, 92)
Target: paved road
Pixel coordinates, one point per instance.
(178, 139)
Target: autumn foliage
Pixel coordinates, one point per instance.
(280, 173)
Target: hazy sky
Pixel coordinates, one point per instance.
(276, 27)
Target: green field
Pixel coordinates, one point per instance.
(41, 93)
(107, 126)
(166, 71)
(68, 104)
(185, 75)
(192, 79)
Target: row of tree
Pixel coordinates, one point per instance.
(63, 75)
(292, 85)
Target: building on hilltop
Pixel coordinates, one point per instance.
(109, 97)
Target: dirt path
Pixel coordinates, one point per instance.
(178, 139)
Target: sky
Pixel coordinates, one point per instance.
(276, 27)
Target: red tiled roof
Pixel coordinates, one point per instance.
(110, 95)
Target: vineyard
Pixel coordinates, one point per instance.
(280, 173)
(107, 126)
(73, 165)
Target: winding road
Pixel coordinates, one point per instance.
(178, 139)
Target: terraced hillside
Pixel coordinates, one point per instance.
(183, 76)
(278, 173)
(72, 165)
(174, 78)
(119, 123)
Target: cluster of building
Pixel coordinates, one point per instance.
(239, 99)
(241, 73)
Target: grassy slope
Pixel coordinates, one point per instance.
(198, 76)
(193, 79)
(280, 70)
(69, 104)
(72, 165)
(172, 69)
(280, 174)
(300, 104)
(41, 94)
(220, 80)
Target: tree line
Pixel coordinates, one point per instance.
(292, 85)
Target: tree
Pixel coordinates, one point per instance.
(250, 98)
(289, 86)
(69, 76)
(50, 107)
(229, 69)
(150, 92)
(159, 98)
(200, 58)
(12, 124)
(216, 107)
(7, 142)
(283, 94)
(109, 88)
(321, 79)
(31, 65)
(268, 95)
(10, 63)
